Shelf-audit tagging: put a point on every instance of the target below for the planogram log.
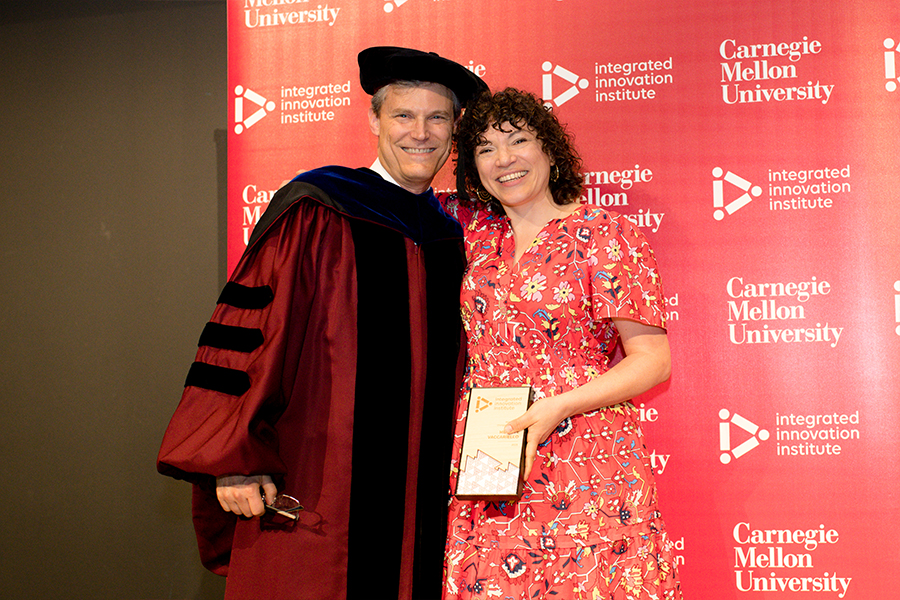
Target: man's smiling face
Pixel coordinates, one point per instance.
(414, 129)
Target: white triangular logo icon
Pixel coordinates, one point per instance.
(719, 193)
(725, 444)
(566, 75)
(245, 94)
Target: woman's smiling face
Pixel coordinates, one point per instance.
(513, 166)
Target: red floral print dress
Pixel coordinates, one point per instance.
(587, 525)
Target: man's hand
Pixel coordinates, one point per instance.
(241, 494)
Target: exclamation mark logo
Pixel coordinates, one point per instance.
(390, 4)
(737, 203)
(890, 65)
(897, 306)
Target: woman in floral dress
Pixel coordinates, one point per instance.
(551, 286)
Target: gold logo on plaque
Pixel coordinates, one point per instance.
(481, 403)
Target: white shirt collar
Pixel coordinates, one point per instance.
(379, 168)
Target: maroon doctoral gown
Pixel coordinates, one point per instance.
(331, 363)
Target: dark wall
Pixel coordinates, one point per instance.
(112, 177)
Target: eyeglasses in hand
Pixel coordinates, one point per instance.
(285, 506)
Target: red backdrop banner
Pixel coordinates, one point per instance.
(755, 143)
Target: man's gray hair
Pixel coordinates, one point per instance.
(378, 96)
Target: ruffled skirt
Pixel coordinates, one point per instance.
(638, 565)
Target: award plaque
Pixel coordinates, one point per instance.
(490, 465)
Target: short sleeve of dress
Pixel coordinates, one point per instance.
(625, 280)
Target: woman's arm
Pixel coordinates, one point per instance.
(647, 362)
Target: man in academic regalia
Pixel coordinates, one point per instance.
(328, 370)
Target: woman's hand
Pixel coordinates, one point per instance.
(541, 419)
(240, 494)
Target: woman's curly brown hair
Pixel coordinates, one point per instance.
(522, 110)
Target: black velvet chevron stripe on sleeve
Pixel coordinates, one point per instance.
(231, 337)
(218, 379)
(242, 296)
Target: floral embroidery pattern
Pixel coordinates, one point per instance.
(563, 293)
(614, 250)
(533, 287)
(587, 525)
